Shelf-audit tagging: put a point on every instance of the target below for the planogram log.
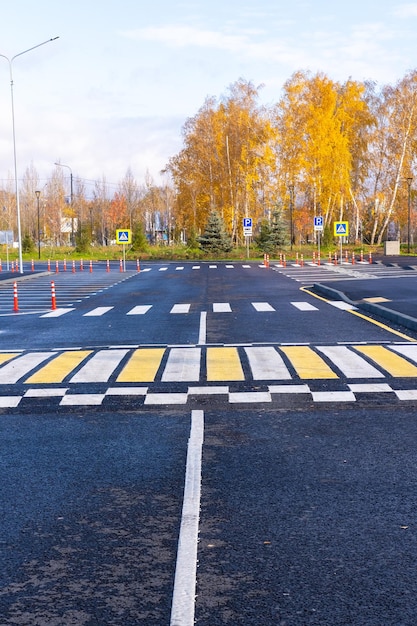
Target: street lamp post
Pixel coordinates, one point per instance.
(291, 190)
(10, 62)
(38, 193)
(71, 199)
(409, 181)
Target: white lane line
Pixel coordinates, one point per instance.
(343, 306)
(82, 399)
(221, 307)
(139, 310)
(262, 306)
(57, 313)
(183, 599)
(203, 328)
(183, 365)
(180, 308)
(98, 311)
(304, 306)
(163, 269)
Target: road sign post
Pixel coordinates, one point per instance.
(124, 237)
(341, 229)
(247, 232)
(318, 228)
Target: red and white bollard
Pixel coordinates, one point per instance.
(370, 257)
(121, 265)
(81, 265)
(91, 266)
(108, 266)
(53, 296)
(318, 258)
(138, 265)
(56, 267)
(302, 260)
(73, 267)
(15, 300)
(284, 261)
(65, 265)
(353, 258)
(33, 265)
(361, 256)
(49, 265)
(1, 269)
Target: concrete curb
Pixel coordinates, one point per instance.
(377, 309)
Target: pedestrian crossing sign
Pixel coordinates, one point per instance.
(341, 229)
(123, 236)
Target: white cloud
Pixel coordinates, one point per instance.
(405, 11)
(183, 36)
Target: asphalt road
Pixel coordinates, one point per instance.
(291, 486)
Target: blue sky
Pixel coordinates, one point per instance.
(115, 89)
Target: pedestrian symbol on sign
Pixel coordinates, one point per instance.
(123, 236)
(341, 229)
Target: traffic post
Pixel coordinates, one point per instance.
(247, 232)
(341, 229)
(124, 238)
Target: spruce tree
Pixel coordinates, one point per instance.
(215, 240)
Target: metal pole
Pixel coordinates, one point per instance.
(19, 229)
(38, 193)
(291, 189)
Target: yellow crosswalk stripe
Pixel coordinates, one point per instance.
(389, 361)
(8, 356)
(224, 364)
(307, 363)
(142, 366)
(61, 366)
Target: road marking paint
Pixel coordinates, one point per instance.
(229, 266)
(212, 267)
(224, 364)
(142, 366)
(333, 396)
(202, 333)
(98, 311)
(183, 365)
(183, 599)
(195, 267)
(307, 363)
(342, 305)
(57, 313)
(7, 356)
(221, 307)
(266, 363)
(179, 268)
(304, 306)
(127, 391)
(140, 309)
(166, 398)
(410, 351)
(208, 391)
(61, 366)
(289, 389)
(54, 392)
(370, 388)
(406, 394)
(16, 369)
(350, 363)
(163, 269)
(389, 361)
(262, 306)
(82, 399)
(100, 367)
(9, 402)
(180, 308)
(249, 397)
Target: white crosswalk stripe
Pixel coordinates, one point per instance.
(100, 367)
(351, 364)
(140, 309)
(98, 311)
(262, 306)
(183, 365)
(266, 363)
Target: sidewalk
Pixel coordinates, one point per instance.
(393, 299)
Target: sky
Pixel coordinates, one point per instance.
(114, 91)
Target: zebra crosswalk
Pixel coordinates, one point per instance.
(150, 364)
(156, 375)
